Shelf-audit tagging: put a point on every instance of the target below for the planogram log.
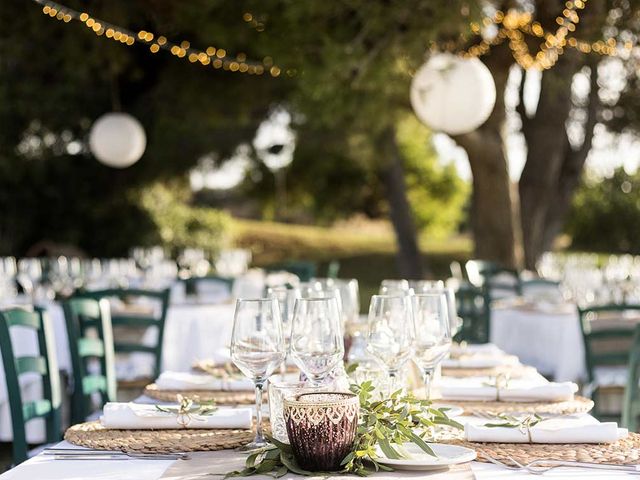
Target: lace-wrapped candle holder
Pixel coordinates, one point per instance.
(321, 428)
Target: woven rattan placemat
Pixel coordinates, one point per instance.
(518, 371)
(94, 435)
(622, 452)
(577, 405)
(226, 397)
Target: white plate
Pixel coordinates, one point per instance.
(451, 410)
(446, 456)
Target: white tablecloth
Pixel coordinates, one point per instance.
(195, 332)
(45, 468)
(549, 340)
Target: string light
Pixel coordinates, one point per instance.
(214, 57)
(514, 27)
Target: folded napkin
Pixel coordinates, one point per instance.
(458, 350)
(583, 430)
(133, 416)
(481, 361)
(514, 392)
(197, 381)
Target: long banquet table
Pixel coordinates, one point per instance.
(204, 465)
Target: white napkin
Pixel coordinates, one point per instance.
(585, 429)
(481, 361)
(515, 392)
(475, 349)
(144, 417)
(197, 381)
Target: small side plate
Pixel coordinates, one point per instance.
(446, 456)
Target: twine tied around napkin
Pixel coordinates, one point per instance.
(523, 424)
(501, 382)
(186, 410)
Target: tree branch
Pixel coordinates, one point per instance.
(521, 109)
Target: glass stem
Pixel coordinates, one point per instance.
(427, 375)
(393, 381)
(283, 370)
(259, 434)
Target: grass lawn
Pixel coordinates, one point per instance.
(365, 253)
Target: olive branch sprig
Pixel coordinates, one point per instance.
(523, 423)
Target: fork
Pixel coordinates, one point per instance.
(81, 454)
(540, 466)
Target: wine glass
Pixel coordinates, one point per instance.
(455, 322)
(257, 348)
(433, 335)
(391, 332)
(317, 346)
(423, 286)
(394, 287)
(286, 298)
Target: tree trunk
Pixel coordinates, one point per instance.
(408, 259)
(491, 211)
(553, 166)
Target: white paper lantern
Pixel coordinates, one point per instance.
(453, 95)
(117, 140)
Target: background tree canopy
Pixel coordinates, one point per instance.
(346, 71)
(349, 82)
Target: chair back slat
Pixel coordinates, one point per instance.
(31, 364)
(45, 364)
(94, 384)
(90, 347)
(22, 318)
(36, 409)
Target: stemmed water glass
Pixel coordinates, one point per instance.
(394, 287)
(391, 333)
(257, 348)
(433, 335)
(317, 345)
(286, 298)
(455, 322)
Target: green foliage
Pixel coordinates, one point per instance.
(386, 424)
(606, 214)
(350, 64)
(181, 225)
(436, 193)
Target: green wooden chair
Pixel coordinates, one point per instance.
(607, 346)
(90, 343)
(333, 269)
(191, 284)
(473, 307)
(44, 364)
(631, 404)
(138, 322)
(497, 281)
(305, 270)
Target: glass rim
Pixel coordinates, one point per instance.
(430, 294)
(402, 294)
(256, 300)
(328, 297)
